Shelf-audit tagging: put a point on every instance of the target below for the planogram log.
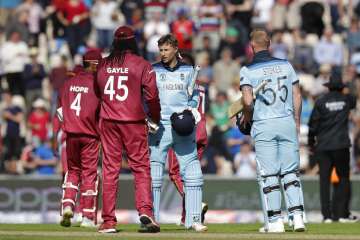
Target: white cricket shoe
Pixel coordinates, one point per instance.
(298, 221)
(198, 227)
(87, 223)
(350, 219)
(328, 220)
(66, 217)
(274, 227)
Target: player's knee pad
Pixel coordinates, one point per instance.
(293, 191)
(271, 195)
(193, 175)
(157, 172)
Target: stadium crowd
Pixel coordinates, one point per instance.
(41, 41)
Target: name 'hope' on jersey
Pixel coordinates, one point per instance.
(172, 84)
(275, 100)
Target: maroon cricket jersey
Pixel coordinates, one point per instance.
(80, 104)
(201, 135)
(122, 88)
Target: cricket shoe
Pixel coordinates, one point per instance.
(204, 209)
(327, 220)
(299, 225)
(107, 227)
(149, 224)
(87, 223)
(66, 217)
(350, 219)
(274, 227)
(199, 227)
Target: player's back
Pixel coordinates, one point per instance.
(80, 104)
(121, 87)
(275, 100)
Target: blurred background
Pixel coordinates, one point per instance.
(42, 40)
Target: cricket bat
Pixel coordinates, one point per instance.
(193, 81)
(237, 106)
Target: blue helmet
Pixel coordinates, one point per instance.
(183, 123)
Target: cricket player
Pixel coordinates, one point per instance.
(275, 128)
(78, 109)
(173, 78)
(201, 143)
(124, 79)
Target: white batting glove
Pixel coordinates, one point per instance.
(196, 115)
(153, 127)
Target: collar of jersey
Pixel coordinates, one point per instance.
(167, 67)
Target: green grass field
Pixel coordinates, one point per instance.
(173, 232)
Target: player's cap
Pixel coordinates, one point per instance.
(183, 123)
(124, 33)
(92, 55)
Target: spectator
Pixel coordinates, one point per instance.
(353, 35)
(303, 54)
(328, 52)
(18, 23)
(206, 48)
(234, 42)
(240, 10)
(153, 30)
(211, 16)
(219, 109)
(173, 9)
(14, 54)
(14, 116)
(312, 13)
(43, 160)
(262, 13)
(225, 71)
(137, 22)
(244, 162)
(33, 75)
(128, 7)
(154, 7)
(355, 59)
(105, 18)
(234, 139)
(278, 48)
(35, 14)
(39, 120)
(6, 10)
(183, 30)
(75, 17)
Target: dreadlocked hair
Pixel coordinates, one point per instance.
(119, 48)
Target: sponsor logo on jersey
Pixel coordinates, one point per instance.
(173, 86)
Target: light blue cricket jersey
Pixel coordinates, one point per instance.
(276, 98)
(172, 84)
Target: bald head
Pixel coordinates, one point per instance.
(260, 40)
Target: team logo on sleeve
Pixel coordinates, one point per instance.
(162, 77)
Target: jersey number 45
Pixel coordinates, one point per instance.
(109, 88)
